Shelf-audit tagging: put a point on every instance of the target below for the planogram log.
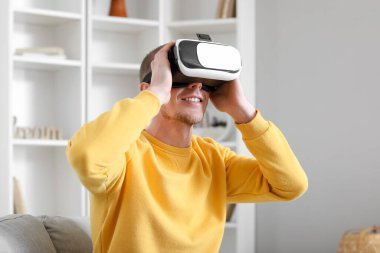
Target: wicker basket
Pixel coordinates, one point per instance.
(361, 241)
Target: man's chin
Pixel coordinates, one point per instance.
(190, 119)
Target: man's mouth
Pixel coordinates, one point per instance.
(192, 99)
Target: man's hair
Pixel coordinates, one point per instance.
(145, 64)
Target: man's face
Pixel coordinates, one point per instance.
(187, 104)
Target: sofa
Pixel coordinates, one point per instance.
(22, 233)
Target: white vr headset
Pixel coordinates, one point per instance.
(202, 61)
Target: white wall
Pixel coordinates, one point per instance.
(5, 126)
(318, 79)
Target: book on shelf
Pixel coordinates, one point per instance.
(219, 9)
(18, 198)
(226, 9)
(41, 52)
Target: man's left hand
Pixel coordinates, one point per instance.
(229, 98)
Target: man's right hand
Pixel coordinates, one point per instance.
(161, 82)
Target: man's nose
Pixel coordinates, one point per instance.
(195, 86)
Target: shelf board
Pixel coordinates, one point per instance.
(117, 24)
(228, 144)
(37, 142)
(116, 68)
(230, 225)
(43, 63)
(204, 26)
(44, 17)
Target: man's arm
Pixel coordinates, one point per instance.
(273, 175)
(97, 150)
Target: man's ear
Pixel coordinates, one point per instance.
(144, 86)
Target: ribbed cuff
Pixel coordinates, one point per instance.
(256, 127)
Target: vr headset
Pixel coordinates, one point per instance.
(202, 61)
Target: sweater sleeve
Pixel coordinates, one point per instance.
(97, 150)
(274, 174)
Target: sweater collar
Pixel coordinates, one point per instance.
(166, 147)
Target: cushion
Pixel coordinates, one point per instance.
(68, 234)
(24, 234)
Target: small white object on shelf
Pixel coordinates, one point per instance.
(48, 133)
(41, 52)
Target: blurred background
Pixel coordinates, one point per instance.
(310, 66)
(318, 79)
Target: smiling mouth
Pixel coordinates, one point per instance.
(192, 99)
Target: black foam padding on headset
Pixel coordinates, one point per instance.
(188, 54)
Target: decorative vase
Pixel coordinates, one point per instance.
(118, 8)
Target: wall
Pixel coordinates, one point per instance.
(5, 126)
(318, 79)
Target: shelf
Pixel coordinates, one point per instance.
(36, 142)
(116, 68)
(228, 144)
(230, 225)
(219, 134)
(204, 26)
(116, 24)
(44, 17)
(42, 63)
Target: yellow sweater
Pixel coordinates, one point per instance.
(150, 197)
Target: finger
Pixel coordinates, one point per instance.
(167, 47)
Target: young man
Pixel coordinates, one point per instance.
(154, 187)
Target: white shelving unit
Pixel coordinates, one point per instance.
(43, 93)
(116, 46)
(102, 66)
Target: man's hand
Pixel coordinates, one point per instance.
(229, 98)
(161, 81)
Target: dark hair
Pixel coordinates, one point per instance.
(145, 64)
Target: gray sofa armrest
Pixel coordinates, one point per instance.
(24, 233)
(68, 234)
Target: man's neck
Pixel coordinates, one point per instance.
(170, 131)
